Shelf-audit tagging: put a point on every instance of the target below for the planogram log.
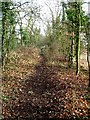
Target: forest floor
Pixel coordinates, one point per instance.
(35, 89)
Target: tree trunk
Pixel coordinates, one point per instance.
(72, 50)
(3, 31)
(78, 53)
(5, 40)
(89, 77)
(70, 64)
(88, 67)
(78, 29)
(71, 54)
(88, 59)
(63, 16)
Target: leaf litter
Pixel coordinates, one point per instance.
(35, 90)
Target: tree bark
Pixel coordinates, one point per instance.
(88, 55)
(78, 52)
(78, 29)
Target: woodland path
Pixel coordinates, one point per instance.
(49, 93)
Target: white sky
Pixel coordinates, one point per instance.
(42, 3)
(45, 10)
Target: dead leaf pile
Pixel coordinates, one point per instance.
(48, 91)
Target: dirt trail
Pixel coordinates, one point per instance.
(41, 96)
(46, 94)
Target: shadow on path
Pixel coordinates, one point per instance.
(41, 97)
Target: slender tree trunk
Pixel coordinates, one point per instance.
(78, 29)
(88, 67)
(21, 34)
(3, 31)
(71, 51)
(88, 59)
(5, 40)
(89, 76)
(21, 30)
(70, 64)
(63, 16)
(78, 53)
